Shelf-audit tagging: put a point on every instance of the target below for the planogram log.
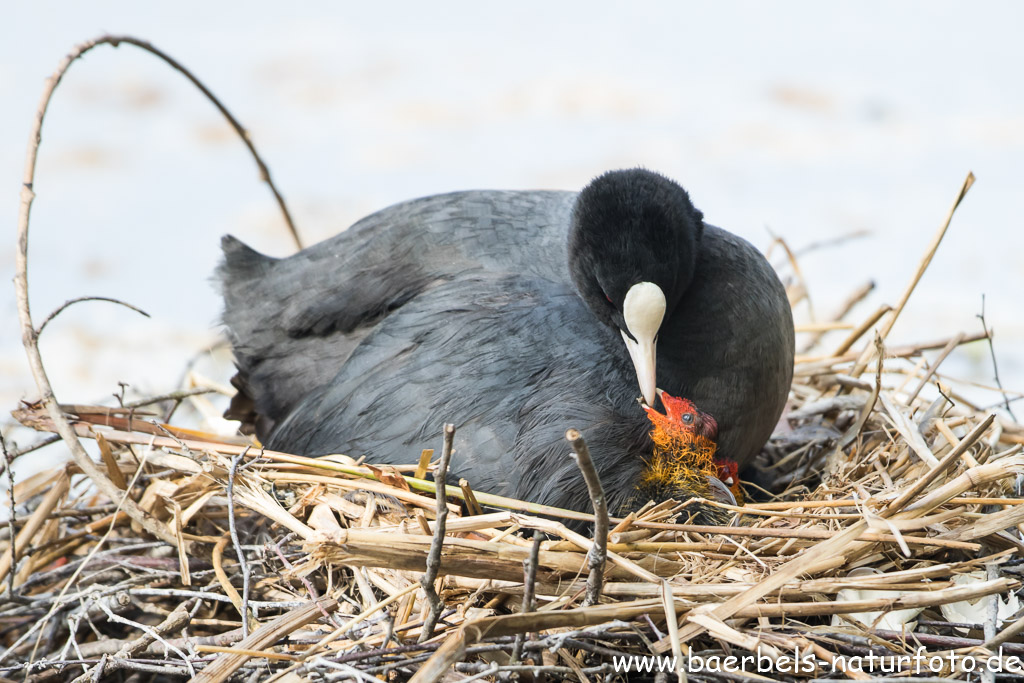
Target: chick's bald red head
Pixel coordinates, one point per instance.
(684, 449)
(682, 419)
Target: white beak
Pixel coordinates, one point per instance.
(643, 310)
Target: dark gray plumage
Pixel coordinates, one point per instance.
(463, 308)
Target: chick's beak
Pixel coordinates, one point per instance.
(643, 311)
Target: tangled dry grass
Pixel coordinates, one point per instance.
(892, 523)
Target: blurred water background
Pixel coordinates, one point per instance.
(813, 121)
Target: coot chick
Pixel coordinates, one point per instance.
(506, 313)
(683, 458)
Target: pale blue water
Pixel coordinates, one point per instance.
(809, 119)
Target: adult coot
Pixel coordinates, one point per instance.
(506, 313)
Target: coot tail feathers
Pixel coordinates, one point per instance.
(280, 352)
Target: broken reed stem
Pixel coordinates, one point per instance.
(239, 551)
(437, 543)
(472, 506)
(598, 554)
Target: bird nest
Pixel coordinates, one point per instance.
(883, 541)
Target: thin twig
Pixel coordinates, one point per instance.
(529, 594)
(10, 520)
(46, 441)
(175, 396)
(599, 552)
(115, 41)
(70, 302)
(530, 575)
(995, 365)
(29, 335)
(313, 594)
(992, 618)
(830, 242)
(148, 630)
(437, 543)
(175, 621)
(239, 551)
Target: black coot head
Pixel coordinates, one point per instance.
(632, 251)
